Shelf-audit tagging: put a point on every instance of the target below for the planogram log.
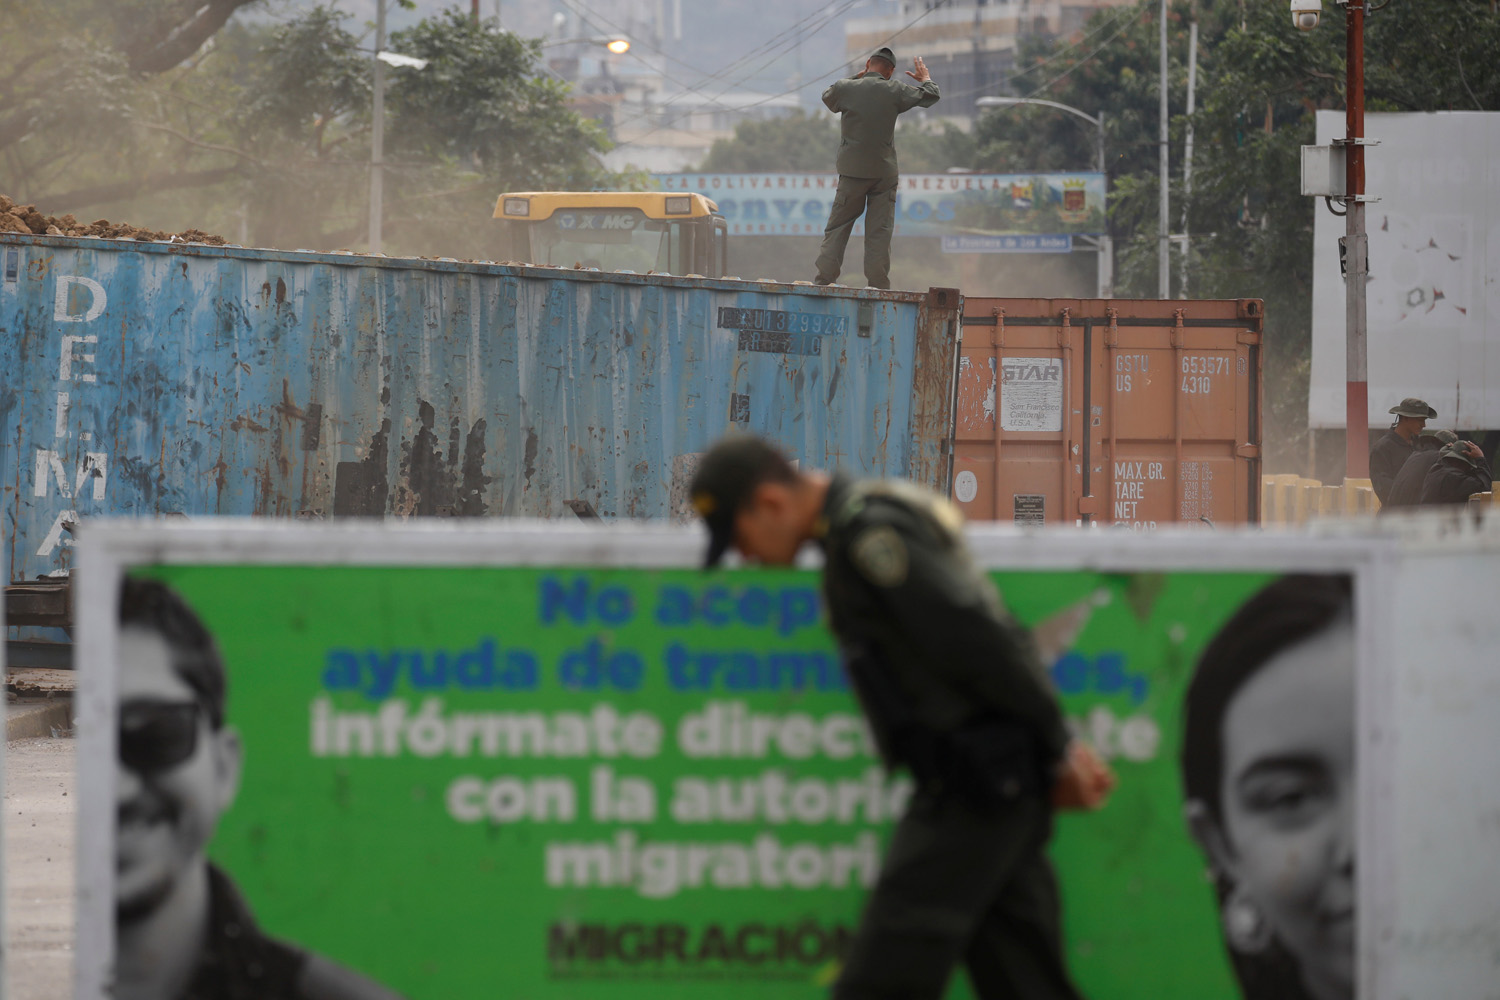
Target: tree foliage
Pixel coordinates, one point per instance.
(177, 115)
(481, 103)
(797, 142)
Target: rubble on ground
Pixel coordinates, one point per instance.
(26, 219)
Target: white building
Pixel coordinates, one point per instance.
(969, 45)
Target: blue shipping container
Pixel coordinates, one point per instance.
(157, 379)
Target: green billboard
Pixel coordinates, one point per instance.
(554, 782)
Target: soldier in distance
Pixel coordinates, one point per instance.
(1394, 447)
(868, 105)
(1406, 491)
(1459, 473)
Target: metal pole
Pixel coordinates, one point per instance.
(1357, 409)
(1106, 248)
(377, 132)
(474, 7)
(1187, 152)
(1163, 236)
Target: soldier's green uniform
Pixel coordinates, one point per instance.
(955, 692)
(966, 877)
(1454, 478)
(1391, 450)
(868, 105)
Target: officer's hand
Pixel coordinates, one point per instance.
(1084, 781)
(1473, 450)
(921, 75)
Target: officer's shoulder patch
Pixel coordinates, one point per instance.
(879, 553)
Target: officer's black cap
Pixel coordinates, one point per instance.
(725, 480)
(885, 53)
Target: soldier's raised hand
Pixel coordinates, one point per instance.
(921, 75)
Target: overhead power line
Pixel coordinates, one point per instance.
(771, 97)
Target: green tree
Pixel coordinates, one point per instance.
(798, 142)
(170, 115)
(73, 76)
(933, 149)
(481, 103)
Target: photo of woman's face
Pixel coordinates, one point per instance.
(1288, 800)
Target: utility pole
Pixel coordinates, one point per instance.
(1357, 406)
(377, 136)
(1187, 151)
(1163, 233)
(1105, 275)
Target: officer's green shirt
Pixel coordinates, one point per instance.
(898, 578)
(869, 105)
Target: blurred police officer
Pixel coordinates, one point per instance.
(868, 105)
(1406, 491)
(955, 693)
(1460, 472)
(1394, 447)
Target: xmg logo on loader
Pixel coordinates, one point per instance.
(595, 220)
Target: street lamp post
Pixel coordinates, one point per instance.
(1106, 257)
(377, 134)
(377, 129)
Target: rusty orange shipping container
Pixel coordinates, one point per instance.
(1125, 412)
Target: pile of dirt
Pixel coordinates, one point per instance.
(26, 219)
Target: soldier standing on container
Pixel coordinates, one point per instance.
(868, 105)
(1395, 446)
(955, 692)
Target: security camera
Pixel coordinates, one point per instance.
(1305, 13)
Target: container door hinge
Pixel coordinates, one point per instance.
(1250, 338)
(1247, 451)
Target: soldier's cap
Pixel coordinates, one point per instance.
(725, 481)
(885, 53)
(1453, 451)
(1411, 406)
(1442, 436)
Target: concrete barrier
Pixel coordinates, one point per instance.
(1288, 499)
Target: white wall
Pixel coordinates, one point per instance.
(1434, 289)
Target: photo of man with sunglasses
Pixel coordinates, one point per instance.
(183, 932)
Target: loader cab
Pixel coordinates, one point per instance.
(640, 231)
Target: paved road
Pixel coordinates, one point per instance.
(39, 830)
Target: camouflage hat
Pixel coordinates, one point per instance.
(726, 477)
(1411, 406)
(1442, 436)
(1456, 451)
(885, 53)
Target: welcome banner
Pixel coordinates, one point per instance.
(976, 205)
